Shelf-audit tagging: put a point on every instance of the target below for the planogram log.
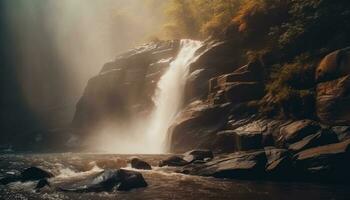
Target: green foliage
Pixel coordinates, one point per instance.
(199, 18)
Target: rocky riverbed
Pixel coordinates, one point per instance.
(163, 182)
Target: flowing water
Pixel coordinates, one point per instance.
(169, 95)
(163, 183)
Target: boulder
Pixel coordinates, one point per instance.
(332, 101)
(297, 130)
(328, 162)
(198, 155)
(279, 163)
(130, 180)
(140, 164)
(196, 126)
(236, 165)
(35, 173)
(108, 180)
(173, 161)
(321, 138)
(334, 65)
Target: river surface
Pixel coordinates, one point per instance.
(164, 183)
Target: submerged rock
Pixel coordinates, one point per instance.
(35, 173)
(29, 174)
(173, 161)
(140, 164)
(108, 180)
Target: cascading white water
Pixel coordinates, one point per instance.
(169, 96)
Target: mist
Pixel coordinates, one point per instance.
(54, 47)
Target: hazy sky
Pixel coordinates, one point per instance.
(59, 44)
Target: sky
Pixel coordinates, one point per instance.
(50, 48)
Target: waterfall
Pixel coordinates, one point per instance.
(168, 97)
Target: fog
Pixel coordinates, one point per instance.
(57, 45)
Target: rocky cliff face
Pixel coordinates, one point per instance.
(124, 87)
(222, 100)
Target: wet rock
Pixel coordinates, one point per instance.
(130, 180)
(140, 164)
(278, 162)
(332, 99)
(35, 173)
(41, 184)
(318, 139)
(9, 179)
(196, 126)
(298, 130)
(108, 180)
(198, 155)
(326, 162)
(236, 165)
(173, 161)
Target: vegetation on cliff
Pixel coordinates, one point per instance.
(289, 37)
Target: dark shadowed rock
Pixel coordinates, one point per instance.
(236, 165)
(130, 180)
(298, 130)
(140, 164)
(332, 101)
(343, 132)
(173, 161)
(321, 138)
(108, 180)
(196, 126)
(9, 179)
(198, 155)
(35, 173)
(42, 183)
(334, 65)
(325, 162)
(279, 163)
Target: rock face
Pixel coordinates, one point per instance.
(196, 125)
(327, 162)
(333, 87)
(108, 181)
(124, 87)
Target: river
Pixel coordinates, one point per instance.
(163, 183)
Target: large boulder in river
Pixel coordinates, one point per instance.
(108, 180)
(137, 163)
(236, 165)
